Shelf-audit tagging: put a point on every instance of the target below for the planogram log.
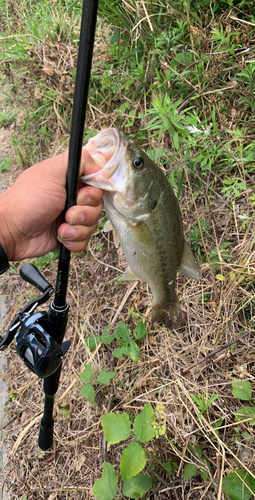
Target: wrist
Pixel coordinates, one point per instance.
(6, 237)
(4, 263)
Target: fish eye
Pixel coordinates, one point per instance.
(138, 162)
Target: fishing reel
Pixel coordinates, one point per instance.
(33, 331)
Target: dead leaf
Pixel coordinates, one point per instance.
(79, 463)
(53, 496)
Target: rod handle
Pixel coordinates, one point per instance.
(30, 273)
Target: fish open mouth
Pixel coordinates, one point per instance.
(108, 150)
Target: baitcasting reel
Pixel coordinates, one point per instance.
(33, 330)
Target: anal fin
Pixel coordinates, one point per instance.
(129, 275)
(188, 266)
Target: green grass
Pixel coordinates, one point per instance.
(178, 77)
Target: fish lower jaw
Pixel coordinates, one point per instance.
(172, 317)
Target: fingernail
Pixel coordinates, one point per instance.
(68, 234)
(78, 218)
(84, 200)
(68, 244)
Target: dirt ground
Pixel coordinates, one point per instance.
(172, 365)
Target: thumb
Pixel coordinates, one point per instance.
(88, 165)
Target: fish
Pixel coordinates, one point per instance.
(144, 214)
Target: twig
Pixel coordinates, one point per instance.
(161, 479)
(214, 352)
(124, 300)
(241, 20)
(24, 432)
(182, 461)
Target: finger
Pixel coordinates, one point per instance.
(89, 195)
(85, 215)
(75, 238)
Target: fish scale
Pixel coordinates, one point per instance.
(146, 219)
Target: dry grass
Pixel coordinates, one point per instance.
(173, 364)
(163, 375)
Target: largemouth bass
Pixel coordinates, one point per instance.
(145, 217)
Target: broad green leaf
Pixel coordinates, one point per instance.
(133, 460)
(105, 377)
(116, 427)
(133, 351)
(125, 349)
(122, 333)
(168, 467)
(242, 389)
(106, 487)
(117, 353)
(247, 435)
(92, 342)
(143, 429)
(136, 486)
(140, 330)
(244, 413)
(220, 277)
(190, 471)
(196, 450)
(115, 37)
(87, 391)
(107, 337)
(236, 487)
(86, 376)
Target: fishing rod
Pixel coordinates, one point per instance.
(39, 335)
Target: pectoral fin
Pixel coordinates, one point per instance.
(108, 227)
(143, 234)
(188, 265)
(129, 275)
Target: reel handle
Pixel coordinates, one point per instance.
(30, 273)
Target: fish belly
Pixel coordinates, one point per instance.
(153, 249)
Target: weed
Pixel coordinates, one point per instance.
(7, 118)
(218, 254)
(87, 389)
(100, 246)
(125, 339)
(247, 75)
(117, 427)
(203, 405)
(63, 410)
(178, 78)
(239, 484)
(45, 260)
(6, 163)
(197, 464)
(225, 41)
(233, 187)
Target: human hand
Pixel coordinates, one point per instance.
(30, 210)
